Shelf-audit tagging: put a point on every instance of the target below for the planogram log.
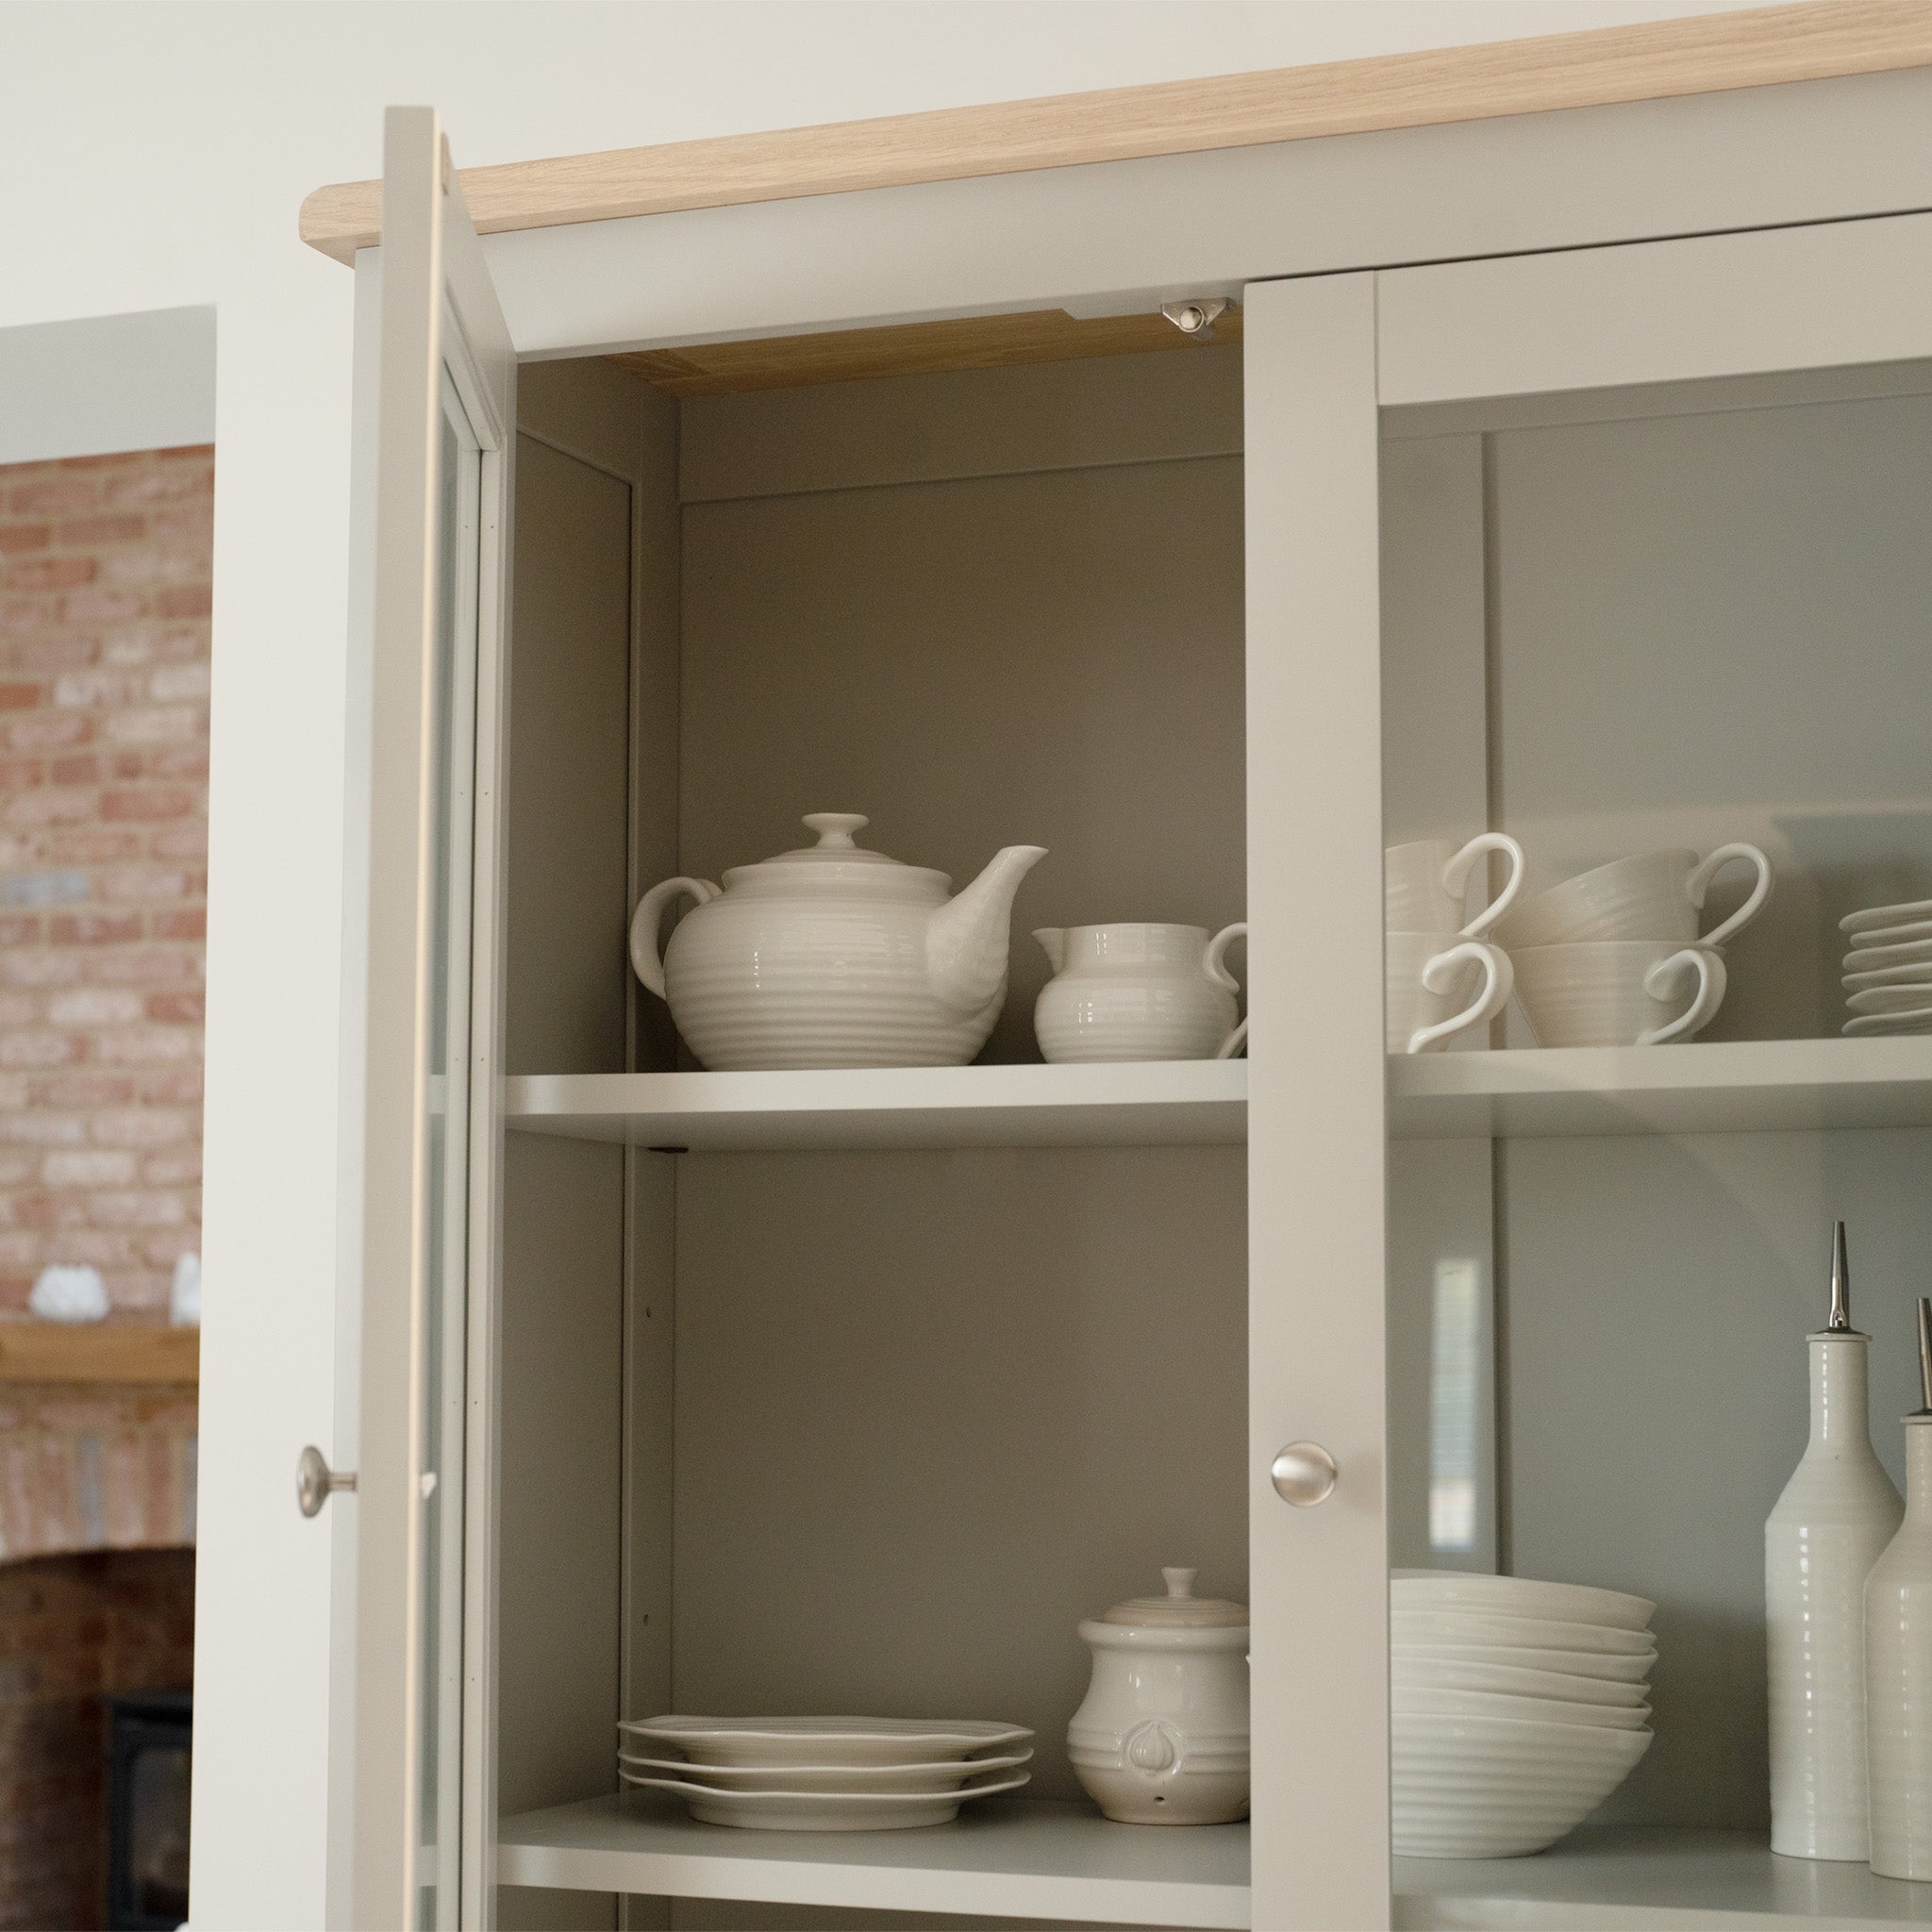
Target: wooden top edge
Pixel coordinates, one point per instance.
(1761, 46)
(97, 1352)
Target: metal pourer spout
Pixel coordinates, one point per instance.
(1924, 1358)
(1840, 1283)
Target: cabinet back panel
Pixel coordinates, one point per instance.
(1712, 627)
(934, 1409)
(569, 782)
(1659, 1294)
(1049, 660)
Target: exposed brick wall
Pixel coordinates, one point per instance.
(72, 1631)
(105, 579)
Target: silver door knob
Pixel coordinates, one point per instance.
(316, 1482)
(1304, 1474)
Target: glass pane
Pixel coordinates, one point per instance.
(445, 1140)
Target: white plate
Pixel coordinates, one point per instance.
(1410, 1700)
(1407, 1627)
(1889, 999)
(1869, 937)
(928, 1778)
(1890, 975)
(1906, 952)
(1581, 1663)
(1517, 1596)
(1913, 1019)
(823, 1811)
(781, 1740)
(1433, 1674)
(1874, 916)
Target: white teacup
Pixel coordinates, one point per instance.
(1437, 984)
(1424, 884)
(1651, 895)
(1618, 993)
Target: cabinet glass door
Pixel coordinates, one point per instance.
(445, 398)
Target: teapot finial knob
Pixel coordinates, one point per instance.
(1179, 1582)
(835, 828)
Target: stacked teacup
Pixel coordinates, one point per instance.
(1441, 977)
(1612, 958)
(1889, 969)
(1516, 1709)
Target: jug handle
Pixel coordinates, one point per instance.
(1217, 973)
(646, 955)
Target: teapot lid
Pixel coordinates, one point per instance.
(1180, 1609)
(835, 830)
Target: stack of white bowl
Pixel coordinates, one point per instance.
(1889, 969)
(824, 1774)
(1518, 1707)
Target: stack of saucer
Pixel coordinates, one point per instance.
(822, 1773)
(1517, 1707)
(1889, 969)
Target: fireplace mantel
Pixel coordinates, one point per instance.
(96, 1352)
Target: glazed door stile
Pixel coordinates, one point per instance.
(1316, 1142)
(427, 1159)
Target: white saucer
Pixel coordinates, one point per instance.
(832, 1810)
(782, 1741)
(927, 1779)
(1886, 915)
(1891, 999)
(1906, 952)
(1908, 974)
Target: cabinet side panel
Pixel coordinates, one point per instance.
(1316, 1145)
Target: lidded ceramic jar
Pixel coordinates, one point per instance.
(1137, 993)
(1162, 1738)
(831, 956)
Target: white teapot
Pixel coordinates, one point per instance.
(831, 956)
(1162, 1738)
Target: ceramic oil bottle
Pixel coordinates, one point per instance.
(1836, 1514)
(1898, 1659)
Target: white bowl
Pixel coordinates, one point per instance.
(1407, 1627)
(1877, 916)
(1436, 1673)
(1908, 974)
(1417, 1701)
(1915, 1020)
(1504, 1743)
(928, 1778)
(1579, 1663)
(1517, 1596)
(1905, 953)
(1896, 933)
(785, 1740)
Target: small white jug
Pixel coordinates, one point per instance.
(1137, 993)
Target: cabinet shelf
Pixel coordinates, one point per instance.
(1646, 1878)
(1725, 1086)
(1138, 1103)
(1008, 1858)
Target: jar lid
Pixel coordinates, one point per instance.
(835, 830)
(1180, 1609)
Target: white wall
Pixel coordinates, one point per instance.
(155, 154)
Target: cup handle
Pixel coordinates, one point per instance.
(1499, 982)
(1455, 879)
(1211, 964)
(646, 957)
(1711, 980)
(1699, 882)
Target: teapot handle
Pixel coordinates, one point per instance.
(1211, 965)
(646, 955)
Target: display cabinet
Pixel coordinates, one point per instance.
(854, 1389)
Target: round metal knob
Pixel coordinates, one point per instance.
(316, 1482)
(1303, 1474)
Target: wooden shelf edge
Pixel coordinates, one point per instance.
(1761, 46)
(41, 1352)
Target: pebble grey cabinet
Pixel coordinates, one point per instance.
(1566, 472)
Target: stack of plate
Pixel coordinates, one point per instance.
(1518, 1707)
(1889, 969)
(822, 1773)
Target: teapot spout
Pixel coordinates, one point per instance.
(967, 941)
